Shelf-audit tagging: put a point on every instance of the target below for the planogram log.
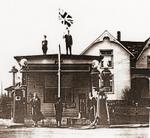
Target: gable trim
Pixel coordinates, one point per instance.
(100, 39)
(145, 47)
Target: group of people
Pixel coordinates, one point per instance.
(37, 114)
(68, 41)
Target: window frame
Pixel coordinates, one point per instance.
(46, 100)
(106, 55)
(111, 84)
(72, 95)
(55, 97)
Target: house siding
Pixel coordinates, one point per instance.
(36, 83)
(120, 70)
(142, 61)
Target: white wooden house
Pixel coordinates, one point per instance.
(127, 62)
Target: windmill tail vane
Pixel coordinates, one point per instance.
(65, 18)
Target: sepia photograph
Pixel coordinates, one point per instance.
(74, 69)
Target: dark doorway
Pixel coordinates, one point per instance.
(82, 105)
(140, 88)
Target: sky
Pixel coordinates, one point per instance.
(24, 22)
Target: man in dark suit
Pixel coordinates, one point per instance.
(69, 42)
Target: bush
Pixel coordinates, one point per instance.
(128, 96)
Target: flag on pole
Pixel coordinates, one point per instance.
(65, 18)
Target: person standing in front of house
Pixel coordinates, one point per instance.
(58, 111)
(36, 110)
(92, 107)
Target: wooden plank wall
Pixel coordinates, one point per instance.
(36, 83)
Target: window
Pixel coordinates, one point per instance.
(106, 52)
(107, 60)
(67, 95)
(148, 61)
(50, 95)
(107, 78)
(51, 90)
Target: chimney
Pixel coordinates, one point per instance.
(118, 35)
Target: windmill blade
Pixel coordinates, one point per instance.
(63, 15)
(67, 23)
(71, 21)
(68, 16)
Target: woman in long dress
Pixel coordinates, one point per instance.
(36, 109)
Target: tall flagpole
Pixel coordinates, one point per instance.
(59, 72)
(66, 20)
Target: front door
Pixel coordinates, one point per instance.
(82, 105)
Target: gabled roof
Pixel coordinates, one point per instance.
(100, 39)
(136, 47)
(147, 45)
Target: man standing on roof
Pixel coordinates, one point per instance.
(44, 45)
(69, 42)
